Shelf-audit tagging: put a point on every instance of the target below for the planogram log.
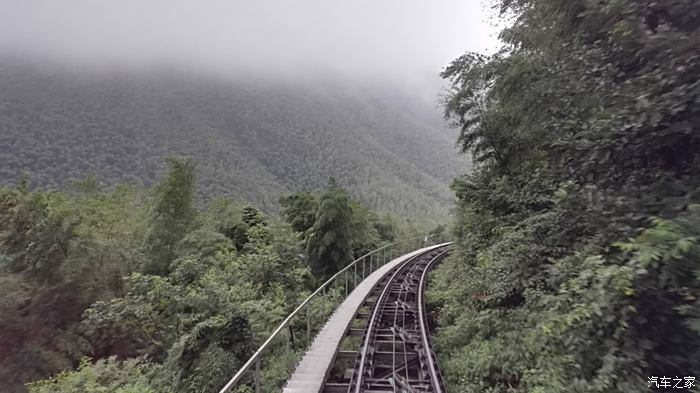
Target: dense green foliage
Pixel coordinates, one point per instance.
(108, 375)
(253, 139)
(163, 296)
(330, 241)
(299, 210)
(58, 254)
(172, 216)
(578, 270)
(337, 229)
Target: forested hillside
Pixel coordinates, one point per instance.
(161, 295)
(578, 266)
(254, 138)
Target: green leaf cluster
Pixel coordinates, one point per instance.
(161, 295)
(338, 230)
(104, 376)
(578, 265)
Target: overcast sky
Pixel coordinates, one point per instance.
(406, 38)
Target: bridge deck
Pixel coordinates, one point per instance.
(310, 373)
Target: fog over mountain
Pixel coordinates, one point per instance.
(402, 40)
(111, 88)
(253, 140)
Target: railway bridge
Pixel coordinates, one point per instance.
(363, 330)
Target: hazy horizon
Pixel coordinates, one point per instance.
(400, 41)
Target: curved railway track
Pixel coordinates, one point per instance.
(395, 353)
(375, 339)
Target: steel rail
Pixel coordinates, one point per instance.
(403, 292)
(372, 325)
(433, 369)
(254, 360)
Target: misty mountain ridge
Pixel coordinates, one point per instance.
(253, 139)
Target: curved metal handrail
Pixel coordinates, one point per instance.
(255, 358)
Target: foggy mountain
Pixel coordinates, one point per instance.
(254, 138)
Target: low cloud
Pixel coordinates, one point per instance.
(400, 39)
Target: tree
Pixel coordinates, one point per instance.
(386, 228)
(330, 239)
(73, 284)
(252, 216)
(299, 210)
(172, 215)
(225, 218)
(59, 253)
(365, 236)
(111, 375)
(580, 222)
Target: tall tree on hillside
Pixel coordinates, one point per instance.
(172, 215)
(299, 210)
(330, 239)
(365, 236)
(252, 216)
(386, 228)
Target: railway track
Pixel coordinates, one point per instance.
(375, 340)
(394, 352)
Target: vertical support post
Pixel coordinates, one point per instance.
(323, 309)
(288, 339)
(355, 276)
(288, 347)
(346, 283)
(363, 268)
(257, 375)
(308, 322)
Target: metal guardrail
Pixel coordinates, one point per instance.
(375, 258)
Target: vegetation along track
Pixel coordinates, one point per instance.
(395, 354)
